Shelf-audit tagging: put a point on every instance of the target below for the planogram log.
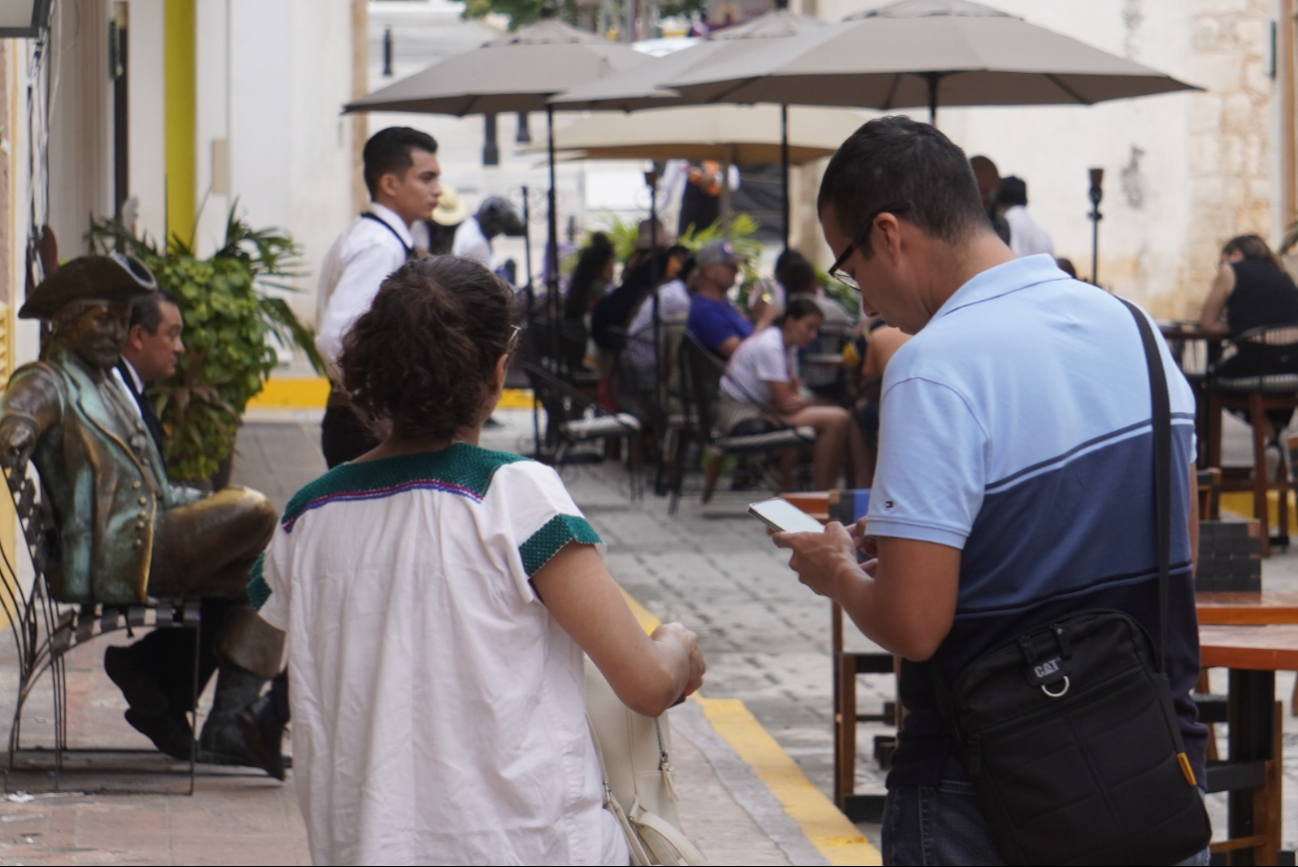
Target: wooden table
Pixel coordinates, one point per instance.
(1253, 654)
(1246, 609)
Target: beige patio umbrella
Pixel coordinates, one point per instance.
(739, 134)
(926, 52)
(519, 71)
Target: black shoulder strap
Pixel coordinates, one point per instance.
(410, 251)
(1162, 423)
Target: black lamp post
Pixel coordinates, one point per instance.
(1097, 193)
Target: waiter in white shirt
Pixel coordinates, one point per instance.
(495, 216)
(1027, 237)
(403, 177)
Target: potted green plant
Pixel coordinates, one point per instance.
(229, 317)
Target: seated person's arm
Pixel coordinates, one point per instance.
(648, 673)
(784, 398)
(727, 347)
(767, 318)
(1213, 318)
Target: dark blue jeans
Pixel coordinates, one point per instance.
(944, 825)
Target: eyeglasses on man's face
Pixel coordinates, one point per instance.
(836, 270)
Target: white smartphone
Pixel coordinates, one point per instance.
(784, 517)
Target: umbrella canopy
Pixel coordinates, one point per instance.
(744, 135)
(641, 86)
(517, 72)
(926, 52)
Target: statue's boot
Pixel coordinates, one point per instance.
(221, 743)
(262, 726)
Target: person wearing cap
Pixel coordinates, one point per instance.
(125, 535)
(495, 216)
(713, 320)
(1027, 237)
(404, 180)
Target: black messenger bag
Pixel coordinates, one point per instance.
(1068, 733)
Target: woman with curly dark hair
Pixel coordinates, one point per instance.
(438, 599)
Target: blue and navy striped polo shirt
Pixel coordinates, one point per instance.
(1016, 427)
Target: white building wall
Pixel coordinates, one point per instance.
(211, 122)
(289, 74)
(80, 145)
(146, 126)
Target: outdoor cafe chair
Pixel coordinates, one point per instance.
(701, 373)
(45, 629)
(1276, 348)
(573, 418)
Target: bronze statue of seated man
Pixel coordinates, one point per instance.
(127, 536)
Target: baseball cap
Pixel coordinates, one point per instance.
(718, 253)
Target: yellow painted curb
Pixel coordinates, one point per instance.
(1241, 503)
(295, 393)
(824, 824)
(311, 392)
(515, 398)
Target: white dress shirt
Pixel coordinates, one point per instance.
(136, 386)
(471, 243)
(1027, 238)
(358, 262)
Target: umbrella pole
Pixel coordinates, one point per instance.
(933, 79)
(784, 169)
(552, 246)
(527, 254)
(725, 190)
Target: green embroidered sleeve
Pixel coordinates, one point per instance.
(258, 589)
(547, 541)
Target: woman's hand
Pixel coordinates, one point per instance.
(689, 642)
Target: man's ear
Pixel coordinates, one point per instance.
(135, 337)
(388, 184)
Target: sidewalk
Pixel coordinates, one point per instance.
(743, 799)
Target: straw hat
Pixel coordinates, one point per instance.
(451, 209)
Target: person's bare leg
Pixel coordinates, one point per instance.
(829, 450)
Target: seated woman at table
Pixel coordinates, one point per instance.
(761, 391)
(1251, 290)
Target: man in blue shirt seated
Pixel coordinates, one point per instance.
(713, 320)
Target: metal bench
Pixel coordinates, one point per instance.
(45, 629)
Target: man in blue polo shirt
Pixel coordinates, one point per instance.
(1014, 482)
(713, 320)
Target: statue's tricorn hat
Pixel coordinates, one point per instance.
(89, 278)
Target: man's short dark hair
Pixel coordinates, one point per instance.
(388, 153)
(147, 311)
(902, 163)
(1013, 191)
(799, 277)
